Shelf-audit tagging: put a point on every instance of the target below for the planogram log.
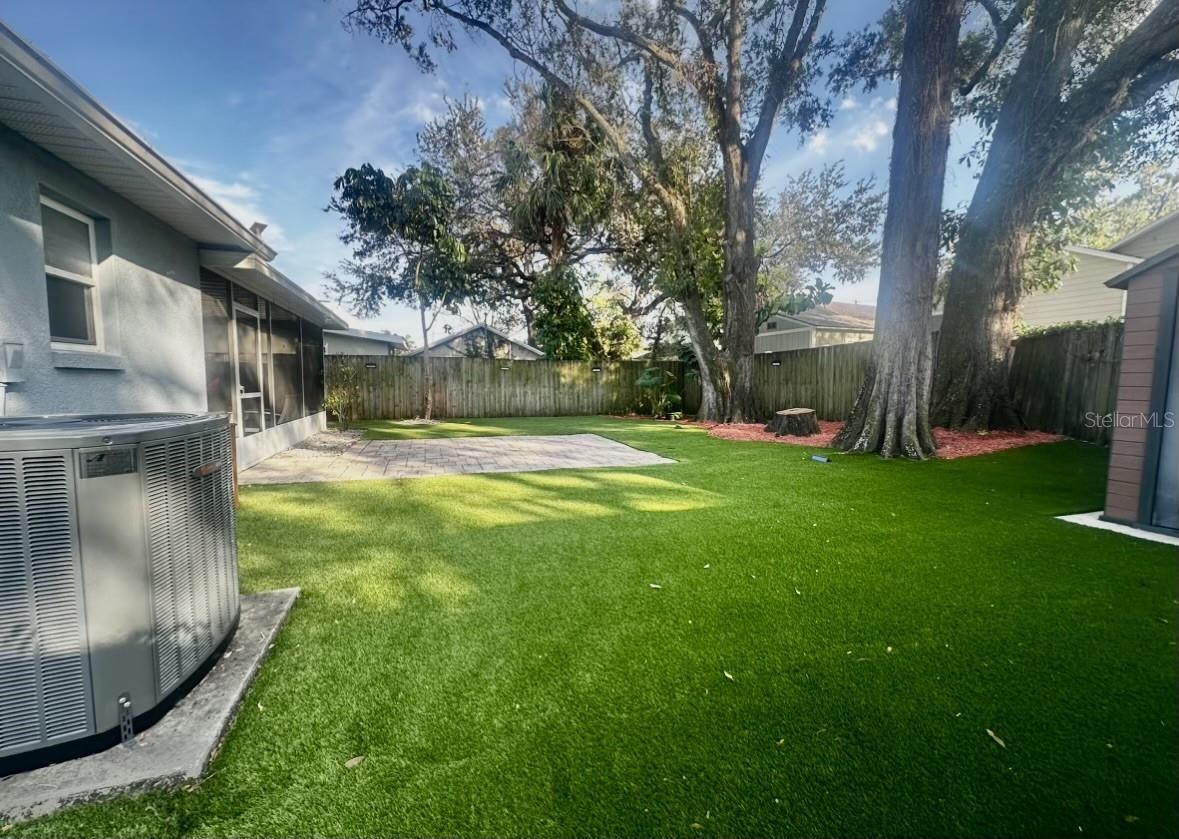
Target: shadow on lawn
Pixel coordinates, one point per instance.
(377, 542)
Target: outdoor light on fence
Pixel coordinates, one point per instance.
(505, 367)
(596, 369)
(371, 365)
(775, 364)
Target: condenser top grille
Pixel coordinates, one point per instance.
(85, 430)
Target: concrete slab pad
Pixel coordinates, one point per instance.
(1095, 520)
(370, 459)
(174, 750)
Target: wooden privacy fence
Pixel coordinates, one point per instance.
(824, 378)
(390, 386)
(1058, 382)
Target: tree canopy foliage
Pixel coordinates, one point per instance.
(736, 69)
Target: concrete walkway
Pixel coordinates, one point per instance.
(336, 458)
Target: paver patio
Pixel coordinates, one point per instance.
(334, 458)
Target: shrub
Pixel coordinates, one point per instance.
(343, 394)
(656, 384)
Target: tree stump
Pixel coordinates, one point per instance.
(794, 422)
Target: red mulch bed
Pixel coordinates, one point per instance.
(950, 444)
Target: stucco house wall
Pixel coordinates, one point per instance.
(147, 278)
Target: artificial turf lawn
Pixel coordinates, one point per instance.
(494, 647)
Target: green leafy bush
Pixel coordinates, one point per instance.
(656, 384)
(342, 395)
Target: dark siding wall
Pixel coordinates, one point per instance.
(1144, 309)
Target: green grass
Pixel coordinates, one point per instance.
(494, 647)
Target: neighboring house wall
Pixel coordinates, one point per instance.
(806, 337)
(829, 337)
(445, 351)
(1081, 296)
(785, 339)
(354, 345)
(1147, 347)
(148, 287)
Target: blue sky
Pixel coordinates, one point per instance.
(264, 103)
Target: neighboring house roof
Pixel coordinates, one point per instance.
(1129, 242)
(481, 327)
(856, 317)
(1123, 279)
(390, 338)
(1080, 250)
(51, 110)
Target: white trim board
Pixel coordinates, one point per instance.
(1095, 520)
(1080, 250)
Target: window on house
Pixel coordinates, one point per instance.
(772, 325)
(70, 282)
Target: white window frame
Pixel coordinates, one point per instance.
(91, 282)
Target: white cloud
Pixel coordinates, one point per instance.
(818, 141)
(848, 103)
(242, 202)
(389, 113)
(891, 104)
(868, 137)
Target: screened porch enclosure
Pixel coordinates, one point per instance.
(263, 363)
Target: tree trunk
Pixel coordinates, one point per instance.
(714, 384)
(427, 373)
(982, 307)
(891, 414)
(529, 316)
(740, 285)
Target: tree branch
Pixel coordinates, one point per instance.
(708, 88)
(1136, 65)
(1153, 79)
(705, 87)
(783, 73)
(609, 129)
(654, 147)
(1004, 29)
(653, 48)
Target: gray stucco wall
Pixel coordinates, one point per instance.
(153, 357)
(353, 345)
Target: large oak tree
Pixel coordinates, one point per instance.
(749, 67)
